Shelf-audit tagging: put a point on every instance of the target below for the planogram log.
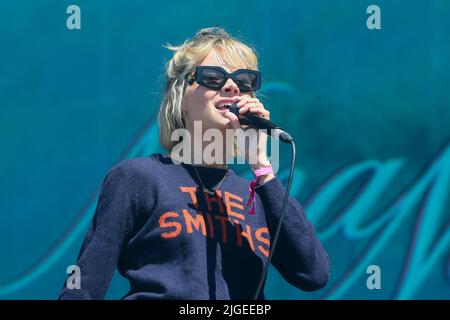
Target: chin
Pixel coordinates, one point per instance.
(219, 121)
(216, 123)
(221, 125)
(225, 123)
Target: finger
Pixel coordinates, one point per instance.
(250, 105)
(233, 120)
(245, 108)
(253, 100)
(260, 111)
(243, 100)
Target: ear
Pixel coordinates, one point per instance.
(190, 78)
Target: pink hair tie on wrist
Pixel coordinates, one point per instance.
(257, 173)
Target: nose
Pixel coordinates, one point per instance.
(230, 87)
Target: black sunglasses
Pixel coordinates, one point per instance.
(214, 78)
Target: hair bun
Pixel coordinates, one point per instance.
(212, 31)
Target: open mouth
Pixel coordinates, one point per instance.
(223, 106)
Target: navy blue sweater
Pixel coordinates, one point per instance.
(172, 241)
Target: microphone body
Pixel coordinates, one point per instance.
(256, 122)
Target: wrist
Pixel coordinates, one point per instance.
(263, 172)
(265, 178)
(260, 163)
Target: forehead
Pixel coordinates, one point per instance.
(214, 58)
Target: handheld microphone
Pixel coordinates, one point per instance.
(256, 122)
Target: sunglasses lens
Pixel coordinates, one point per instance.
(215, 78)
(212, 78)
(246, 81)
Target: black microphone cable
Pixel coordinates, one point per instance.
(275, 130)
(273, 241)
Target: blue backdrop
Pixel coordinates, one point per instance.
(369, 109)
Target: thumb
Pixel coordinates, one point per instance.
(233, 119)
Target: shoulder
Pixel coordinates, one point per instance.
(140, 176)
(142, 173)
(135, 167)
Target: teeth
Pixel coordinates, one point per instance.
(222, 105)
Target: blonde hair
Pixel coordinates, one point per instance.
(186, 57)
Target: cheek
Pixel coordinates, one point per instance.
(196, 100)
(192, 99)
(202, 97)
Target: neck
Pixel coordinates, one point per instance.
(195, 154)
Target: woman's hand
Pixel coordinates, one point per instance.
(258, 160)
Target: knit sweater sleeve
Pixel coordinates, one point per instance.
(299, 255)
(112, 224)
